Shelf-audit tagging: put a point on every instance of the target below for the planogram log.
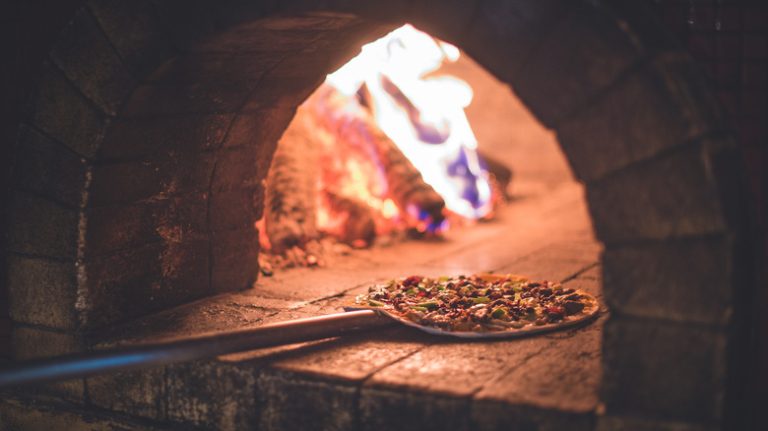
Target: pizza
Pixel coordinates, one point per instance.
(487, 304)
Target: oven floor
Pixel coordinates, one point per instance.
(397, 378)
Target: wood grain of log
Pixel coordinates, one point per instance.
(290, 197)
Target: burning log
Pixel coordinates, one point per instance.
(357, 225)
(290, 197)
(352, 123)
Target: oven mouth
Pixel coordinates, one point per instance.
(134, 196)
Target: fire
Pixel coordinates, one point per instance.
(383, 146)
(423, 115)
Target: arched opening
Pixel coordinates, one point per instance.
(144, 189)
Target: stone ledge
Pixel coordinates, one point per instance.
(374, 381)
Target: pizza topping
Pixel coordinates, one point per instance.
(485, 302)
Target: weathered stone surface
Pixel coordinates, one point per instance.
(155, 177)
(670, 196)
(616, 423)
(648, 280)
(353, 359)
(49, 169)
(562, 378)
(235, 259)
(34, 343)
(17, 414)
(88, 60)
(450, 22)
(213, 395)
(519, 26)
(202, 83)
(290, 401)
(495, 415)
(151, 277)
(59, 110)
(41, 227)
(259, 126)
(139, 393)
(383, 409)
(135, 30)
(223, 312)
(117, 227)
(661, 369)
(234, 209)
(42, 292)
(581, 55)
(456, 368)
(136, 137)
(667, 109)
(237, 168)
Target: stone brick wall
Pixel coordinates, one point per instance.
(131, 188)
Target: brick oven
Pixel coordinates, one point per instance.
(139, 138)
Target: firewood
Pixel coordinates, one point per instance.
(359, 226)
(290, 196)
(351, 122)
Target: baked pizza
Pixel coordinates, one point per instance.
(487, 305)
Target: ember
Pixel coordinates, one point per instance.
(381, 148)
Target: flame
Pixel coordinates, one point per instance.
(423, 115)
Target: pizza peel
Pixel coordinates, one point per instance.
(355, 319)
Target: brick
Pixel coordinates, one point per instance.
(562, 378)
(456, 369)
(663, 370)
(111, 295)
(41, 227)
(291, 401)
(217, 313)
(491, 416)
(201, 83)
(237, 168)
(138, 281)
(136, 137)
(213, 395)
(87, 59)
(284, 92)
(30, 343)
(42, 292)
(235, 257)
(261, 128)
(648, 280)
(449, 22)
(251, 36)
(518, 26)
(137, 393)
(382, 409)
(49, 169)
(62, 112)
(617, 423)
(234, 209)
(581, 55)
(670, 106)
(353, 358)
(671, 196)
(116, 227)
(155, 177)
(34, 415)
(136, 32)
